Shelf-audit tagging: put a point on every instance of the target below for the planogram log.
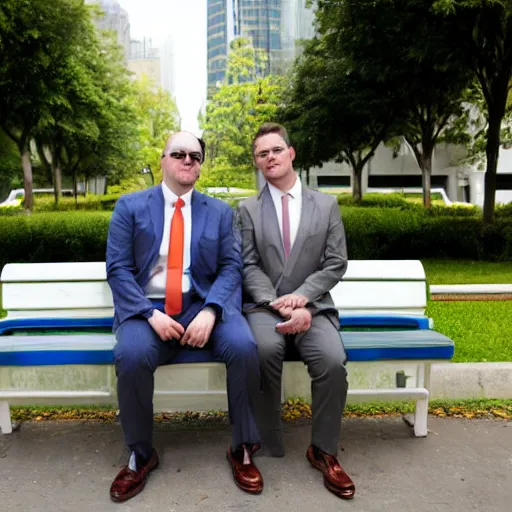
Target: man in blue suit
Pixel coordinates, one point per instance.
(174, 266)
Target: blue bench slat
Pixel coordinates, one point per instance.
(9, 325)
(97, 348)
(406, 321)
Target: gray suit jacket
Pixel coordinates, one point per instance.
(317, 261)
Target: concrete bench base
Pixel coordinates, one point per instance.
(201, 387)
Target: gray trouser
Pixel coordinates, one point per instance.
(322, 351)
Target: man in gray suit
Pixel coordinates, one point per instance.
(294, 252)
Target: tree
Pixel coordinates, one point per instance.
(157, 117)
(36, 40)
(406, 48)
(333, 114)
(236, 111)
(92, 132)
(482, 30)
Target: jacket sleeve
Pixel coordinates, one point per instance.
(129, 298)
(334, 260)
(229, 276)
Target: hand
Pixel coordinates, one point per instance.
(290, 300)
(300, 321)
(166, 327)
(199, 330)
(285, 311)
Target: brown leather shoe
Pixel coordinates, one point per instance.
(335, 478)
(247, 476)
(128, 483)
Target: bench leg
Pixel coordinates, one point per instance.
(421, 417)
(5, 417)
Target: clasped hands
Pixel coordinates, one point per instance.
(292, 306)
(196, 334)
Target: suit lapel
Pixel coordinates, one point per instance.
(306, 217)
(269, 231)
(156, 207)
(199, 215)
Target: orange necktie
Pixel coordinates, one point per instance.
(173, 286)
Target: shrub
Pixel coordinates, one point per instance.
(378, 233)
(372, 233)
(503, 211)
(376, 200)
(54, 237)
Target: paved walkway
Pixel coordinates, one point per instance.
(462, 466)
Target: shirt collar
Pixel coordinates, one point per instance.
(170, 197)
(295, 191)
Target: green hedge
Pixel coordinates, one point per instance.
(54, 237)
(372, 233)
(46, 203)
(392, 233)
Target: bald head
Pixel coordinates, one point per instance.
(184, 141)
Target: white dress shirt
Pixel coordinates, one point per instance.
(294, 207)
(155, 288)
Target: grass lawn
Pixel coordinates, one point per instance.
(467, 272)
(482, 331)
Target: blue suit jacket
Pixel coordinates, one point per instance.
(133, 244)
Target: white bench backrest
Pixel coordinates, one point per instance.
(81, 289)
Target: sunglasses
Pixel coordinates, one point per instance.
(196, 156)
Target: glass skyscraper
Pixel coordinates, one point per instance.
(273, 26)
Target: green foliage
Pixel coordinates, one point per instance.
(224, 175)
(233, 116)
(47, 203)
(377, 200)
(54, 237)
(10, 166)
(393, 233)
(332, 112)
(66, 87)
(38, 43)
(483, 31)
(157, 118)
(389, 45)
(372, 233)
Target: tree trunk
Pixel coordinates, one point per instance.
(75, 188)
(28, 202)
(57, 182)
(357, 189)
(424, 161)
(492, 151)
(426, 171)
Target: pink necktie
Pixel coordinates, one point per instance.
(286, 225)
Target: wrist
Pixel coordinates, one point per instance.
(148, 314)
(212, 310)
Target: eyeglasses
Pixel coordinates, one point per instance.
(263, 154)
(196, 156)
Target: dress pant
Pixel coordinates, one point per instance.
(324, 355)
(139, 351)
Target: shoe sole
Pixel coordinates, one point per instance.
(240, 486)
(137, 490)
(335, 490)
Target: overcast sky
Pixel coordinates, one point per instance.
(185, 22)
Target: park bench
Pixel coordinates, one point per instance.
(60, 315)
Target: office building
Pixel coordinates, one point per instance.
(273, 26)
(114, 19)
